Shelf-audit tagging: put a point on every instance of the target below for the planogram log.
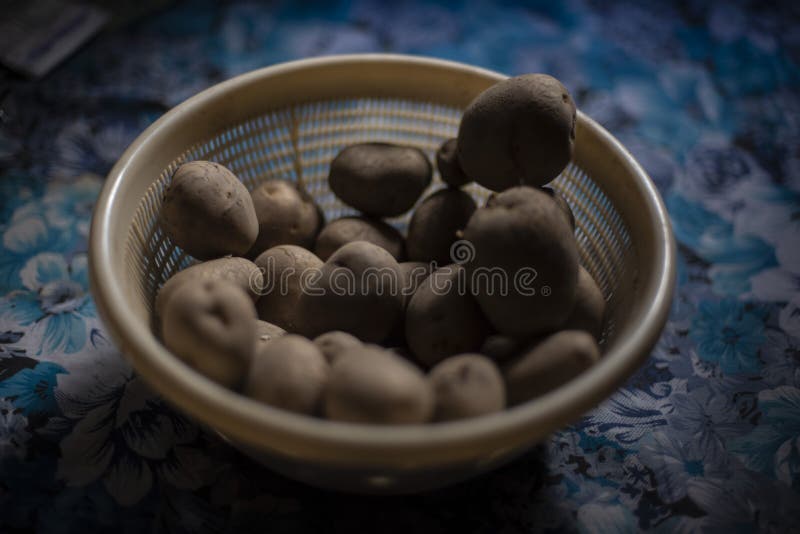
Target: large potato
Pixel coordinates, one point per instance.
(448, 165)
(287, 215)
(372, 385)
(518, 132)
(380, 179)
(357, 292)
(286, 269)
(443, 319)
(550, 363)
(348, 229)
(525, 270)
(210, 325)
(433, 227)
(466, 385)
(289, 373)
(239, 271)
(590, 306)
(208, 212)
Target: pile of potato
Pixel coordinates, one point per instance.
(430, 338)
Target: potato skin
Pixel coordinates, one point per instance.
(443, 319)
(372, 385)
(466, 385)
(283, 267)
(562, 203)
(412, 273)
(549, 363)
(448, 165)
(501, 348)
(210, 325)
(357, 292)
(433, 226)
(380, 179)
(522, 235)
(239, 271)
(348, 229)
(520, 131)
(267, 333)
(590, 306)
(208, 212)
(336, 344)
(289, 373)
(287, 215)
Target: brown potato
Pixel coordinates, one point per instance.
(286, 268)
(372, 385)
(520, 131)
(348, 229)
(210, 325)
(336, 344)
(524, 248)
(443, 319)
(287, 215)
(412, 273)
(267, 333)
(447, 163)
(380, 179)
(467, 385)
(239, 271)
(208, 212)
(590, 306)
(554, 361)
(289, 373)
(356, 292)
(434, 226)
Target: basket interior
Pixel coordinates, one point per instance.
(297, 143)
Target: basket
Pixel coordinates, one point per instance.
(289, 121)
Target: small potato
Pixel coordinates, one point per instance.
(239, 271)
(336, 344)
(210, 325)
(501, 348)
(267, 333)
(380, 179)
(372, 385)
(208, 212)
(348, 229)
(287, 215)
(356, 292)
(590, 306)
(467, 385)
(434, 226)
(563, 204)
(520, 131)
(449, 168)
(443, 319)
(523, 243)
(555, 360)
(286, 269)
(289, 373)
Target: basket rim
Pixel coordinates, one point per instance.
(256, 424)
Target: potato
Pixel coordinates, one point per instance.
(357, 292)
(501, 348)
(520, 131)
(336, 344)
(412, 273)
(590, 306)
(524, 247)
(380, 179)
(372, 385)
(449, 168)
(287, 215)
(283, 267)
(563, 204)
(289, 373)
(239, 271)
(349, 229)
(465, 386)
(210, 325)
(549, 363)
(208, 212)
(267, 332)
(443, 319)
(433, 227)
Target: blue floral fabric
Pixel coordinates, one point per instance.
(705, 437)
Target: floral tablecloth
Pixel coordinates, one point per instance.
(705, 437)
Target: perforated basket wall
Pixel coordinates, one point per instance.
(298, 144)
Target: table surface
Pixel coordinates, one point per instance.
(706, 436)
